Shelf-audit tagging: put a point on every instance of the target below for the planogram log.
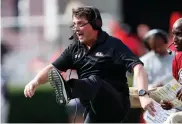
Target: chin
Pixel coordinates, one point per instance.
(82, 41)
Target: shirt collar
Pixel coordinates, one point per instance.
(101, 38)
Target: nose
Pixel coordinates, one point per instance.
(76, 29)
(175, 39)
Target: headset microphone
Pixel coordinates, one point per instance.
(168, 50)
(71, 37)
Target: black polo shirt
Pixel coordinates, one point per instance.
(108, 58)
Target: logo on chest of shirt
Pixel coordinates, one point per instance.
(99, 54)
(77, 56)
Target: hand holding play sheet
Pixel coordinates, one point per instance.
(168, 93)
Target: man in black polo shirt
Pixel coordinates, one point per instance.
(101, 62)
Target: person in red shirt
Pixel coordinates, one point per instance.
(176, 70)
(128, 39)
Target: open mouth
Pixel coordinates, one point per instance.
(79, 34)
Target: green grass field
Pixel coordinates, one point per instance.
(17, 89)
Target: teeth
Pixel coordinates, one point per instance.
(79, 34)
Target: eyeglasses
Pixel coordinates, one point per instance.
(74, 26)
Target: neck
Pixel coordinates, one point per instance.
(92, 40)
(164, 54)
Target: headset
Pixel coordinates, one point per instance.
(96, 22)
(168, 50)
(155, 32)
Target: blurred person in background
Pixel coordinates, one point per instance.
(176, 71)
(142, 30)
(122, 32)
(101, 62)
(157, 61)
(36, 64)
(5, 49)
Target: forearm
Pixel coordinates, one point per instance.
(142, 84)
(42, 76)
(141, 77)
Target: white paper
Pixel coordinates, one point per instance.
(161, 115)
(168, 93)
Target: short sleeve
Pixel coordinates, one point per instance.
(124, 55)
(64, 61)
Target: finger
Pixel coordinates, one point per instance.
(150, 111)
(164, 104)
(30, 88)
(151, 104)
(25, 92)
(30, 92)
(163, 107)
(161, 102)
(166, 108)
(180, 96)
(152, 107)
(178, 93)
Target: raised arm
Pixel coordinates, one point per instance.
(63, 63)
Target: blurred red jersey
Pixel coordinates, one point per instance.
(177, 66)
